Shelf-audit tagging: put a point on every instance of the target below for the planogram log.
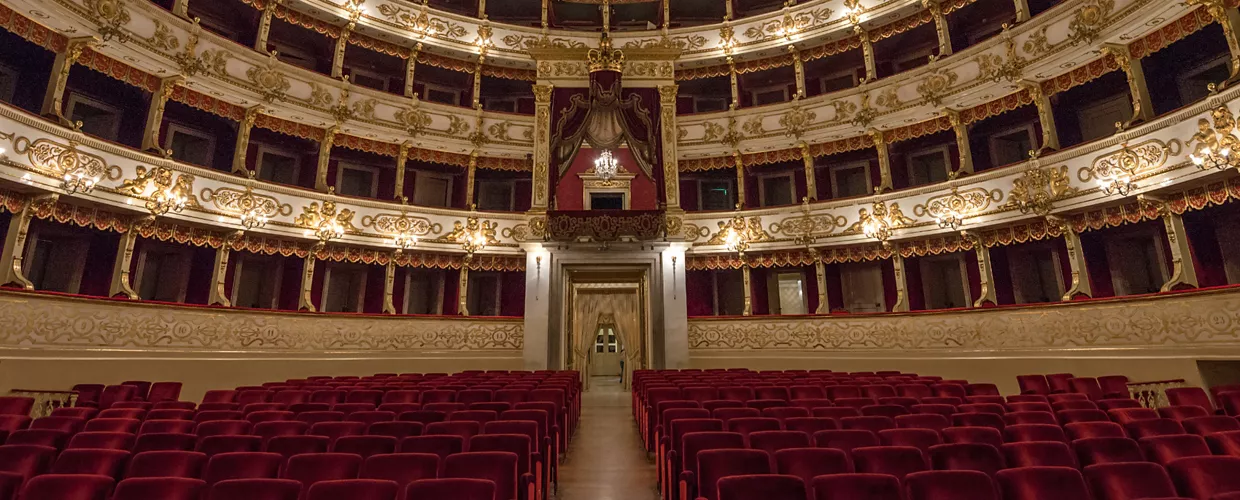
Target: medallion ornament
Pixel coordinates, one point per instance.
(325, 222)
(268, 80)
(1039, 188)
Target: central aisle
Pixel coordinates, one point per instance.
(606, 459)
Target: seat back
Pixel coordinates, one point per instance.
(950, 485)
(1039, 454)
(714, 464)
(1129, 481)
(808, 463)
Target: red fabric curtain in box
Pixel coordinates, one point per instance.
(607, 116)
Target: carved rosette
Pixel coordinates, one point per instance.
(401, 224)
(268, 80)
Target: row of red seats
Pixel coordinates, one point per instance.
(1199, 478)
(177, 475)
(222, 426)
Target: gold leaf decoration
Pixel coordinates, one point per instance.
(268, 80)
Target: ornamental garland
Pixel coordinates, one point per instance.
(508, 164)
(1170, 33)
(118, 70)
(288, 127)
(198, 100)
(34, 32)
(902, 25)
(172, 231)
(367, 145)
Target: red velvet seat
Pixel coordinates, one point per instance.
(1190, 396)
(1042, 483)
(440, 445)
(268, 430)
(1030, 417)
(212, 445)
(451, 489)
(786, 412)
(1118, 404)
(1182, 413)
(67, 487)
(424, 417)
(161, 488)
(984, 435)
(498, 467)
(291, 397)
(921, 439)
(16, 405)
(315, 417)
(1203, 478)
(312, 468)
(1038, 454)
(406, 396)
(745, 426)
(978, 420)
(857, 403)
(364, 446)
(894, 460)
(1203, 426)
(398, 430)
(857, 487)
(167, 464)
(65, 424)
(75, 412)
(213, 415)
(845, 440)
(1087, 386)
(21, 462)
(350, 408)
(1165, 449)
(1033, 432)
(1018, 406)
(255, 489)
(170, 414)
(944, 410)
(242, 465)
(375, 397)
(1033, 384)
(766, 486)
(772, 393)
(950, 485)
(259, 417)
(994, 408)
(167, 426)
(223, 428)
(719, 463)
(726, 414)
(1074, 416)
(773, 441)
(1124, 416)
(1153, 427)
(165, 441)
(1224, 443)
(403, 468)
(103, 440)
(353, 489)
(1105, 450)
(1129, 481)
(808, 463)
(288, 446)
(40, 437)
(930, 421)
(100, 462)
(966, 456)
(917, 391)
(1072, 402)
(1086, 430)
(810, 425)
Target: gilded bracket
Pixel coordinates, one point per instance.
(1183, 272)
(219, 273)
(1079, 286)
(122, 284)
(15, 241)
(897, 263)
(985, 271)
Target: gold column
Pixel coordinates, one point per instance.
(155, 112)
(122, 283)
(411, 67)
(402, 157)
(1079, 284)
(884, 161)
(736, 88)
(668, 129)
(667, 16)
(740, 178)
(389, 282)
(1022, 10)
(478, 83)
(1228, 18)
(963, 147)
(986, 275)
(15, 241)
(748, 311)
(342, 43)
(462, 290)
(241, 149)
(811, 183)
(305, 301)
(181, 8)
(940, 26)
(325, 153)
(264, 25)
(897, 263)
(1046, 115)
(729, 11)
(798, 67)
(1142, 105)
(542, 146)
(867, 50)
(1183, 272)
(546, 10)
(469, 178)
(482, 9)
(219, 273)
(820, 272)
(54, 98)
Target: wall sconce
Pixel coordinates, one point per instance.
(1115, 177)
(1216, 142)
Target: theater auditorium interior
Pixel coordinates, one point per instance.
(619, 250)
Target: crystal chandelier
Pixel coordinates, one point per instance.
(606, 165)
(78, 182)
(1216, 142)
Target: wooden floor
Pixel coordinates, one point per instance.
(606, 460)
